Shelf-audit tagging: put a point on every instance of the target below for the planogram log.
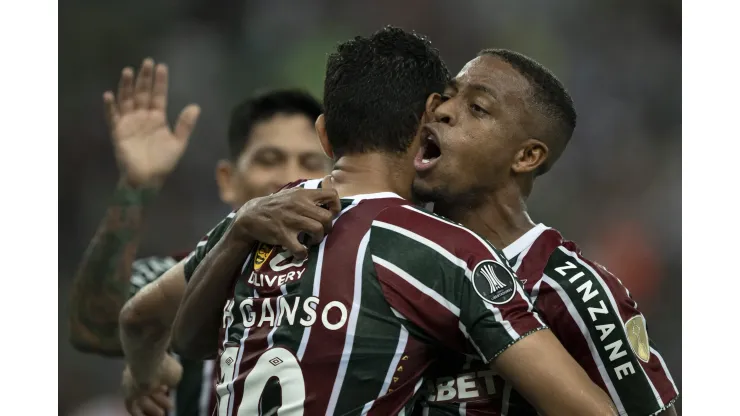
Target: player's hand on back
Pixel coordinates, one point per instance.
(149, 397)
(282, 218)
(146, 148)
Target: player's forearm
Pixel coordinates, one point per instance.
(144, 347)
(198, 321)
(102, 281)
(146, 322)
(556, 385)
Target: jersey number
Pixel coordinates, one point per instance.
(277, 362)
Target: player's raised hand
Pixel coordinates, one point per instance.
(284, 217)
(146, 148)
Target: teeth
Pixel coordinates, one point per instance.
(425, 161)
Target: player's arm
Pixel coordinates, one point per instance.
(102, 281)
(277, 219)
(456, 288)
(146, 321)
(587, 306)
(550, 379)
(147, 151)
(209, 277)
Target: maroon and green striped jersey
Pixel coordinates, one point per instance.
(195, 394)
(593, 316)
(351, 329)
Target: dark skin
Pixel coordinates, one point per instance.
(486, 127)
(482, 129)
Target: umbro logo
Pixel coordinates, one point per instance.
(276, 361)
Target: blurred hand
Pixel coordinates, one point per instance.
(151, 398)
(146, 149)
(280, 218)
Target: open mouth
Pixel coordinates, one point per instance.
(429, 152)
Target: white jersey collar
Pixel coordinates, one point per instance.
(523, 242)
(314, 184)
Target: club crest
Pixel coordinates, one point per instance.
(262, 254)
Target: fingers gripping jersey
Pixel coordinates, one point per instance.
(592, 315)
(195, 395)
(346, 330)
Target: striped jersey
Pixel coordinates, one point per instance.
(195, 395)
(351, 329)
(593, 316)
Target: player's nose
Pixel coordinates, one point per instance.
(444, 112)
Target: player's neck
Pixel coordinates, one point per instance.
(500, 217)
(372, 173)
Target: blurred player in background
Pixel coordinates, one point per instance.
(272, 141)
(501, 122)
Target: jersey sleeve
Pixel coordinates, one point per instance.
(148, 269)
(449, 282)
(597, 321)
(206, 244)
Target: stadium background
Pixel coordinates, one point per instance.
(616, 191)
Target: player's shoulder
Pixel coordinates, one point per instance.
(434, 230)
(415, 219)
(568, 268)
(566, 260)
(302, 183)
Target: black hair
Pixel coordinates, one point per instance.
(376, 88)
(264, 106)
(549, 97)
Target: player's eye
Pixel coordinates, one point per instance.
(475, 108)
(268, 158)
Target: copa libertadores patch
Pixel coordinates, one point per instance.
(493, 282)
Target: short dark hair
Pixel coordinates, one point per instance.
(549, 97)
(376, 89)
(264, 106)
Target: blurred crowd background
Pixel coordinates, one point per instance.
(616, 191)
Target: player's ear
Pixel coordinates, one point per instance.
(323, 138)
(225, 180)
(532, 154)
